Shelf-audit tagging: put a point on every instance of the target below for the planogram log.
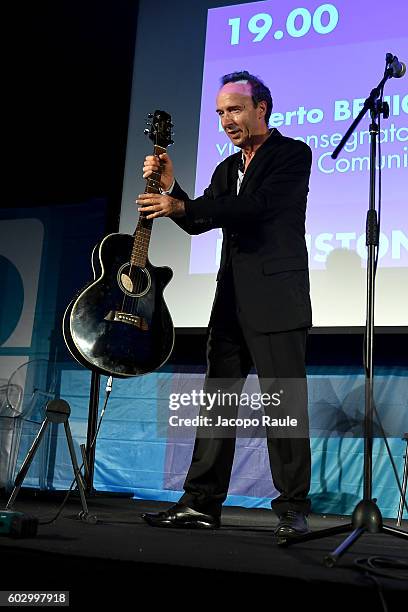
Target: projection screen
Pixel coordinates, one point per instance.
(320, 61)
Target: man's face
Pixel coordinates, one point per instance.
(239, 117)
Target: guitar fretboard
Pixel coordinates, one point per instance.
(144, 226)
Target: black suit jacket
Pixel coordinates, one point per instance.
(264, 231)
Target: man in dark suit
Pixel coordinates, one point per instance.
(261, 311)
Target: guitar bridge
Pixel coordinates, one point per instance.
(130, 319)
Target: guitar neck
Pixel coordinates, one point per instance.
(144, 226)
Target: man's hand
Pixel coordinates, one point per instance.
(158, 205)
(162, 164)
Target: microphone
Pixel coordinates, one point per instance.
(397, 68)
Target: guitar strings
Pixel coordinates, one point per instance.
(130, 304)
(139, 281)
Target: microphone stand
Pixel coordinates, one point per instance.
(366, 515)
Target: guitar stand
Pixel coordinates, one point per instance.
(58, 411)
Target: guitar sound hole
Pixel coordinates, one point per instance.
(134, 281)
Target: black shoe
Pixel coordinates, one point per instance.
(291, 523)
(181, 516)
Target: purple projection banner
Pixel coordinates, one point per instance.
(320, 62)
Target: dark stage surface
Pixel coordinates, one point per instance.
(122, 559)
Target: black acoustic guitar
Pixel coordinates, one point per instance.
(119, 324)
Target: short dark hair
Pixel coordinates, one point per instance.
(259, 90)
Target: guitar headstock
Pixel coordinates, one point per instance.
(159, 129)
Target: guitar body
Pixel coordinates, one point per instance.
(119, 325)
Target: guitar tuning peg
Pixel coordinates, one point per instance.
(150, 116)
(171, 124)
(171, 141)
(146, 131)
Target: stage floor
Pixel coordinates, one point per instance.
(119, 556)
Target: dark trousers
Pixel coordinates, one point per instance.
(233, 347)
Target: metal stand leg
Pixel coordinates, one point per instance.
(26, 463)
(58, 411)
(404, 484)
(84, 515)
(330, 560)
(366, 518)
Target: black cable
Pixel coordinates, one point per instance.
(379, 172)
(373, 567)
(108, 390)
(380, 107)
(379, 589)
(378, 565)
